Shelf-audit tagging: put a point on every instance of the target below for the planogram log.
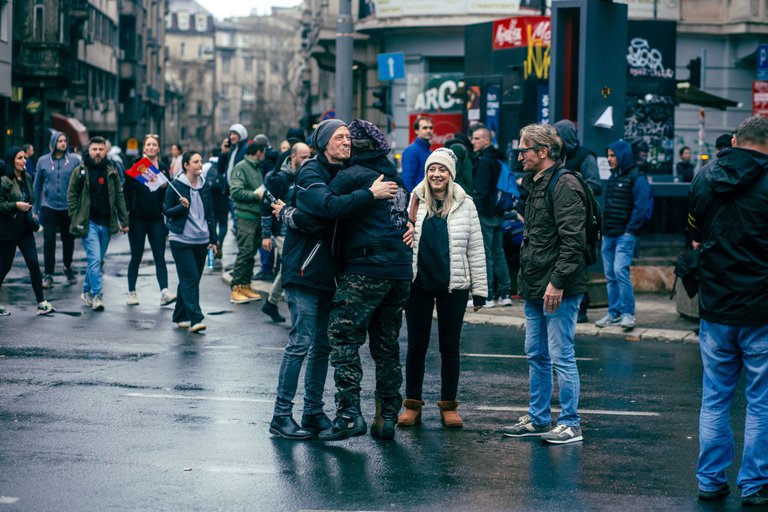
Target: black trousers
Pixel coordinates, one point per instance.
(56, 221)
(155, 230)
(26, 245)
(190, 261)
(450, 318)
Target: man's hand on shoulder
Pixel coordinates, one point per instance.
(383, 189)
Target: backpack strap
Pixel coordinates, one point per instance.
(551, 189)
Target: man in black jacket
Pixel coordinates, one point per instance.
(728, 218)
(309, 272)
(377, 268)
(486, 177)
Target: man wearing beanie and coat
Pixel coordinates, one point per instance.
(309, 272)
(375, 284)
(51, 182)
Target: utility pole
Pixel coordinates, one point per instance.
(344, 32)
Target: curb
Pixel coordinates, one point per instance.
(514, 322)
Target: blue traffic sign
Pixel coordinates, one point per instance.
(762, 62)
(391, 66)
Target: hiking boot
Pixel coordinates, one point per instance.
(504, 301)
(344, 426)
(198, 327)
(4, 311)
(45, 308)
(86, 298)
(47, 282)
(315, 422)
(271, 311)
(718, 493)
(627, 321)
(70, 275)
(525, 428)
(97, 303)
(383, 427)
(166, 297)
(756, 498)
(286, 428)
(248, 292)
(608, 320)
(133, 299)
(237, 296)
(563, 434)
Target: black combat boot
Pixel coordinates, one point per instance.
(316, 422)
(383, 426)
(349, 422)
(286, 427)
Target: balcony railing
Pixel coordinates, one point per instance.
(45, 60)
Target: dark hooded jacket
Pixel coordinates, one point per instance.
(728, 215)
(577, 157)
(142, 202)
(371, 242)
(52, 177)
(486, 177)
(626, 196)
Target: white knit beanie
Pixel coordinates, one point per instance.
(444, 157)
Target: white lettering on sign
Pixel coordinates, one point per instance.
(434, 99)
(645, 61)
(509, 36)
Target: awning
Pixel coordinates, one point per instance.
(72, 128)
(686, 93)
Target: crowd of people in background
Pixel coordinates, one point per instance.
(353, 244)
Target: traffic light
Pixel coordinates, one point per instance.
(382, 99)
(694, 66)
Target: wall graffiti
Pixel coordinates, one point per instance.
(645, 61)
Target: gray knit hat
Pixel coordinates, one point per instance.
(324, 132)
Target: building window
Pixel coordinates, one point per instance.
(201, 22)
(169, 21)
(225, 118)
(226, 64)
(183, 47)
(5, 14)
(183, 19)
(248, 64)
(38, 23)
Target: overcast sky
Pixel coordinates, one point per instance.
(226, 8)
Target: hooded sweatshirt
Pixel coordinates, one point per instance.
(196, 226)
(626, 197)
(577, 157)
(52, 177)
(728, 216)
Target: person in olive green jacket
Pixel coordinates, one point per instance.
(246, 186)
(553, 279)
(97, 208)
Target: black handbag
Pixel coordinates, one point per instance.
(32, 222)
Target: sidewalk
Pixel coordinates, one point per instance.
(657, 318)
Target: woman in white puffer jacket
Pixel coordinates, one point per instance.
(448, 265)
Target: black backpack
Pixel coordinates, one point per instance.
(594, 220)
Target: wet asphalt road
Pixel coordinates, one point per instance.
(120, 411)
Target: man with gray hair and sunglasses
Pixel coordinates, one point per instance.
(553, 280)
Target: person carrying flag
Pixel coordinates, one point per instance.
(145, 215)
(97, 209)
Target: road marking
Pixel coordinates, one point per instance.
(511, 356)
(193, 397)
(603, 412)
(8, 500)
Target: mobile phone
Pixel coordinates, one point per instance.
(269, 196)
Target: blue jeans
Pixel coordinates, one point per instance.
(308, 335)
(549, 342)
(726, 350)
(496, 264)
(617, 255)
(95, 244)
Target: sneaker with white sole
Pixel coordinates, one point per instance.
(525, 428)
(183, 325)
(97, 303)
(505, 301)
(608, 320)
(133, 299)
(166, 297)
(200, 326)
(4, 311)
(490, 303)
(86, 298)
(563, 434)
(45, 308)
(627, 321)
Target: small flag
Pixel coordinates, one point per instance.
(145, 172)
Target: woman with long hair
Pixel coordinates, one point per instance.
(448, 265)
(191, 223)
(18, 225)
(145, 214)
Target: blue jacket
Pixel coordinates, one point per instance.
(414, 158)
(52, 177)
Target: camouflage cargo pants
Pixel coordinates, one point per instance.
(374, 306)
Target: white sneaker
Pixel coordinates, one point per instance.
(183, 325)
(608, 320)
(86, 298)
(133, 299)
(505, 301)
(45, 308)
(627, 321)
(490, 303)
(470, 303)
(563, 434)
(98, 303)
(166, 297)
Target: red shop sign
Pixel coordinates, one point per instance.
(516, 32)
